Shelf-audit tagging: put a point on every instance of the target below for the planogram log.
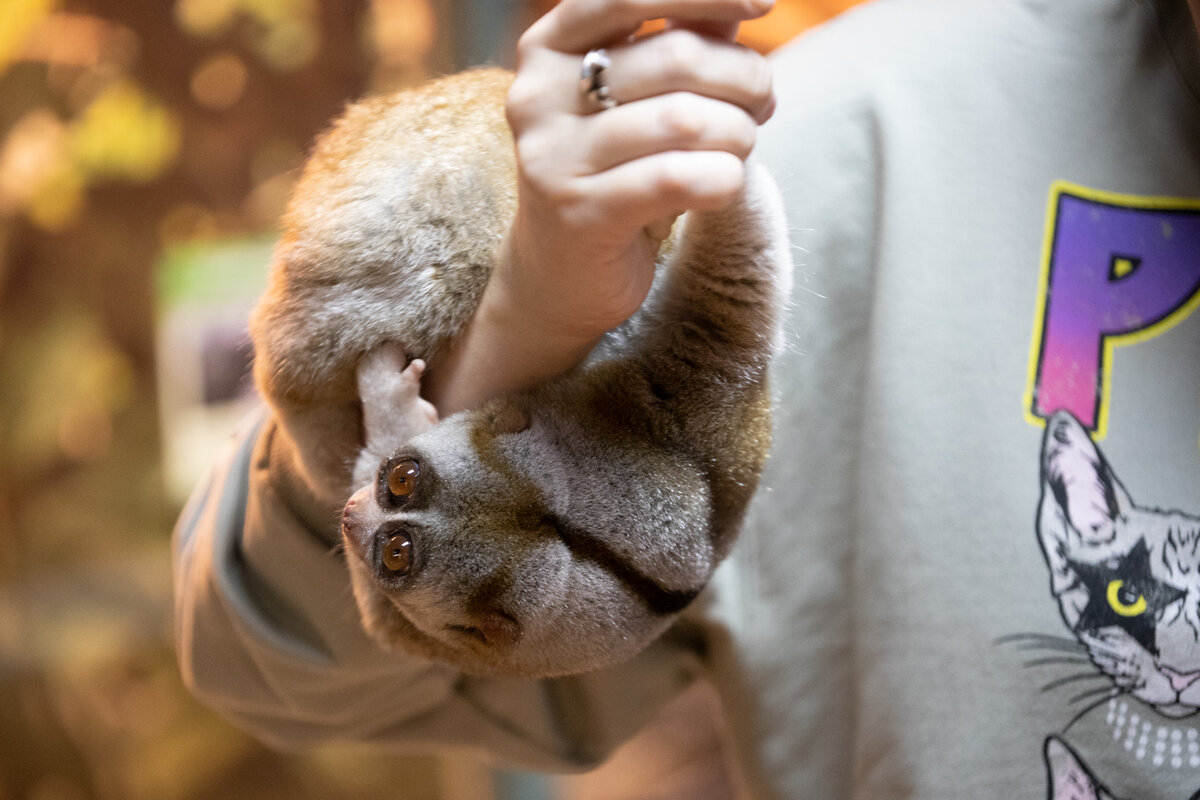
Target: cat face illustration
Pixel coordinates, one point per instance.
(1126, 578)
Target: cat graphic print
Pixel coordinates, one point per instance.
(1117, 271)
(1126, 578)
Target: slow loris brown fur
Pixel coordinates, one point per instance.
(554, 530)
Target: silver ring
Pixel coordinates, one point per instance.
(591, 79)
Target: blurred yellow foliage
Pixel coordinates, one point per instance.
(276, 10)
(46, 164)
(30, 157)
(124, 133)
(17, 19)
(219, 81)
(58, 198)
(288, 37)
(70, 375)
(205, 17)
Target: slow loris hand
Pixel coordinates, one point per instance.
(392, 409)
(598, 190)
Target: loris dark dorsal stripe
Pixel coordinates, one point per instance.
(552, 531)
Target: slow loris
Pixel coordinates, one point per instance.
(555, 530)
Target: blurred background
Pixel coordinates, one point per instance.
(147, 148)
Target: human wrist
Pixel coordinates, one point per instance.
(506, 347)
(534, 292)
(535, 323)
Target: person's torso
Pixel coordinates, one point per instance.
(973, 566)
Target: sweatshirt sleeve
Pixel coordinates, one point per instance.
(268, 635)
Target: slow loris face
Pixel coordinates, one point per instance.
(455, 554)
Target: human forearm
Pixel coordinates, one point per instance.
(507, 346)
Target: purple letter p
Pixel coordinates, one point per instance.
(1116, 268)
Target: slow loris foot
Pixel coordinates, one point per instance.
(393, 410)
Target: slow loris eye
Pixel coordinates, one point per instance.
(402, 478)
(397, 552)
(1124, 600)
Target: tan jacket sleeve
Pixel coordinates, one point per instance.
(268, 635)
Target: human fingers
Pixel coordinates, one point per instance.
(675, 121)
(638, 193)
(681, 59)
(547, 83)
(574, 26)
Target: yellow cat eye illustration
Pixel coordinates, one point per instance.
(1117, 604)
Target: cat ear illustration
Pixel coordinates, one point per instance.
(1070, 779)
(1082, 489)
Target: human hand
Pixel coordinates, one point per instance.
(599, 189)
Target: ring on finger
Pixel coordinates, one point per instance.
(592, 83)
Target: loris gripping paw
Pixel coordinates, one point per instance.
(393, 410)
(554, 530)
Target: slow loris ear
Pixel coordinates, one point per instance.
(508, 418)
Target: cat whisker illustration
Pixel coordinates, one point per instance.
(1081, 676)
(1063, 646)
(1033, 638)
(1109, 693)
(1041, 662)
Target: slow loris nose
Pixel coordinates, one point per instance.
(354, 520)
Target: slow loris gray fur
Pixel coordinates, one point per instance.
(555, 530)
